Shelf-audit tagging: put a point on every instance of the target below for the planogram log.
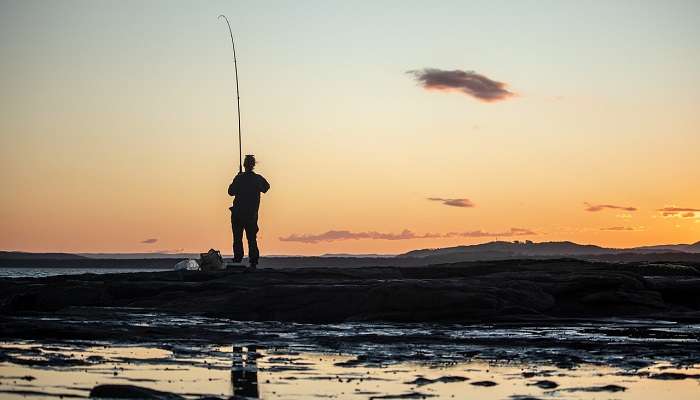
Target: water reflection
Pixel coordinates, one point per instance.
(244, 371)
(70, 370)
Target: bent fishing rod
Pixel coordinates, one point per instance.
(238, 97)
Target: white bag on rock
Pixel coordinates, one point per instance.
(187, 265)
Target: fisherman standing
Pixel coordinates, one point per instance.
(246, 187)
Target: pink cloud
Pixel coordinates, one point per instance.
(480, 233)
(467, 82)
(620, 228)
(684, 212)
(340, 235)
(600, 207)
(453, 202)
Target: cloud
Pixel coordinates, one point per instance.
(678, 209)
(169, 251)
(620, 228)
(339, 235)
(624, 216)
(336, 235)
(683, 212)
(467, 82)
(150, 240)
(453, 202)
(480, 233)
(600, 207)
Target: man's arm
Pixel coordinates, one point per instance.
(264, 186)
(233, 187)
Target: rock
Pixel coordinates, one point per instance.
(409, 395)
(24, 393)
(484, 383)
(545, 384)
(673, 376)
(131, 392)
(493, 291)
(421, 381)
(606, 388)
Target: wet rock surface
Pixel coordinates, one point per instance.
(421, 381)
(512, 290)
(409, 395)
(596, 389)
(627, 344)
(545, 384)
(131, 392)
(190, 307)
(673, 376)
(484, 383)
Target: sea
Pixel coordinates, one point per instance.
(43, 272)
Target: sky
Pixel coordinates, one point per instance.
(382, 126)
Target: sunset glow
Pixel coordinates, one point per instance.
(117, 124)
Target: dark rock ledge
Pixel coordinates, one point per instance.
(512, 290)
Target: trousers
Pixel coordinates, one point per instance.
(249, 225)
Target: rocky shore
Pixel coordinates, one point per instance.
(534, 328)
(497, 291)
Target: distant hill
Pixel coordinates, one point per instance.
(20, 255)
(528, 249)
(685, 248)
(694, 248)
(514, 249)
(498, 250)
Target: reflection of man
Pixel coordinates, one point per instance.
(244, 372)
(246, 187)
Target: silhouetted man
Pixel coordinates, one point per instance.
(246, 187)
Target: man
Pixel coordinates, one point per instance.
(246, 187)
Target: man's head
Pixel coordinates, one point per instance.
(249, 162)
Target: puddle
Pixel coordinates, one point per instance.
(199, 371)
(193, 357)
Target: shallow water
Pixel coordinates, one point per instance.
(43, 272)
(286, 374)
(567, 360)
(615, 342)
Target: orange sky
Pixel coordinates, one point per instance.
(117, 125)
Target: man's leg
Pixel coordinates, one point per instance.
(237, 228)
(251, 233)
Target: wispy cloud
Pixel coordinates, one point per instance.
(683, 212)
(480, 233)
(622, 228)
(150, 240)
(624, 216)
(339, 235)
(168, 251)
(600, 207)
(467, 82)
(453, 202)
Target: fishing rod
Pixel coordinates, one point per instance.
(238, 97)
